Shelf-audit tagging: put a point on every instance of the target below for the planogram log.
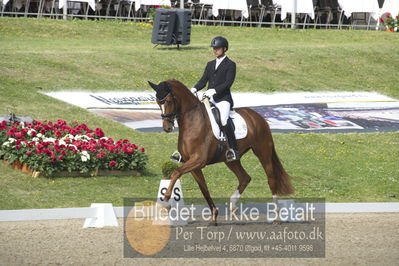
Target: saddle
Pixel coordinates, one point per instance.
(237, 122)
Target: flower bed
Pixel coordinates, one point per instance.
(390, 22)
(52, 148)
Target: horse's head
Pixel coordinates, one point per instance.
(167, 103)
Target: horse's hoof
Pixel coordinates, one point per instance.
(213, 223)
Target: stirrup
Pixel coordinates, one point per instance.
(231, 155)
(176, 157)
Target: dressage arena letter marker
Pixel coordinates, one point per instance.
(177, 193)
(105, 216)
(176, 201)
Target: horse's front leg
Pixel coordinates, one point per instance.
(199, 177)
(193, 164)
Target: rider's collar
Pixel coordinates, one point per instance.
(221, 58)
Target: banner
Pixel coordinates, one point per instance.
(285, 112)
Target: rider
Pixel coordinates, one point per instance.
(220, 74)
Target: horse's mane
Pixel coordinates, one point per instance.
(180, 90)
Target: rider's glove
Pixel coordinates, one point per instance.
(210, 92)
(193, 90)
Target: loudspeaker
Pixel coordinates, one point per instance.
(171, 26)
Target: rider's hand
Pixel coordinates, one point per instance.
(210, 92)
(193, 90)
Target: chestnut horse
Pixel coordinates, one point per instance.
(197, 144)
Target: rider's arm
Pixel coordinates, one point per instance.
(202, 82)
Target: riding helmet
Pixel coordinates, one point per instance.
(219, 42)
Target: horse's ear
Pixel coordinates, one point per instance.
(154, 86)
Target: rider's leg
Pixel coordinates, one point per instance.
(224, 109)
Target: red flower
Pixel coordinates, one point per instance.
(18, 135)
(381, 20)
(58, 134)
(28, 153)
(112, 163)
(388, 15)
(10, 132)
(18, 147)
(61, 123)
(98, 155)
(142, 149)
(99, 133)
(60, 158)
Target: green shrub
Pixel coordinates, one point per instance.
(167, 169)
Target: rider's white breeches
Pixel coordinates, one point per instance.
(224, 109)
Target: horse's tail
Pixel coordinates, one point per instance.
(282, 179)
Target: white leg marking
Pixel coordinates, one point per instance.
(233, 199)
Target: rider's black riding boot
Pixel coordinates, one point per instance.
(232, 153)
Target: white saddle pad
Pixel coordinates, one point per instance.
(239, 123)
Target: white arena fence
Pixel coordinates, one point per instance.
(335, 14)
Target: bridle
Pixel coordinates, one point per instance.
(171, 116)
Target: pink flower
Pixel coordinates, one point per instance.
(98, 156)
(18, 147)
(28, 153)
(112, 163)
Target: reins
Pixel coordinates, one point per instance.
(175, 114)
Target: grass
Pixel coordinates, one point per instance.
(49, 55)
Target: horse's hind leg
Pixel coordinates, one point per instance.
(199, 177)
(243, 181)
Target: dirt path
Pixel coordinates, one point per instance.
(361, 239)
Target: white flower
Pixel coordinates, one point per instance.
(71, 145)
(104, 138)
(39, 135)
(35, 139)
(61, 142)
(49, 139)
(30, 131)
(68, 136)
(22, 124)
(6, 144)
(85, 156)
